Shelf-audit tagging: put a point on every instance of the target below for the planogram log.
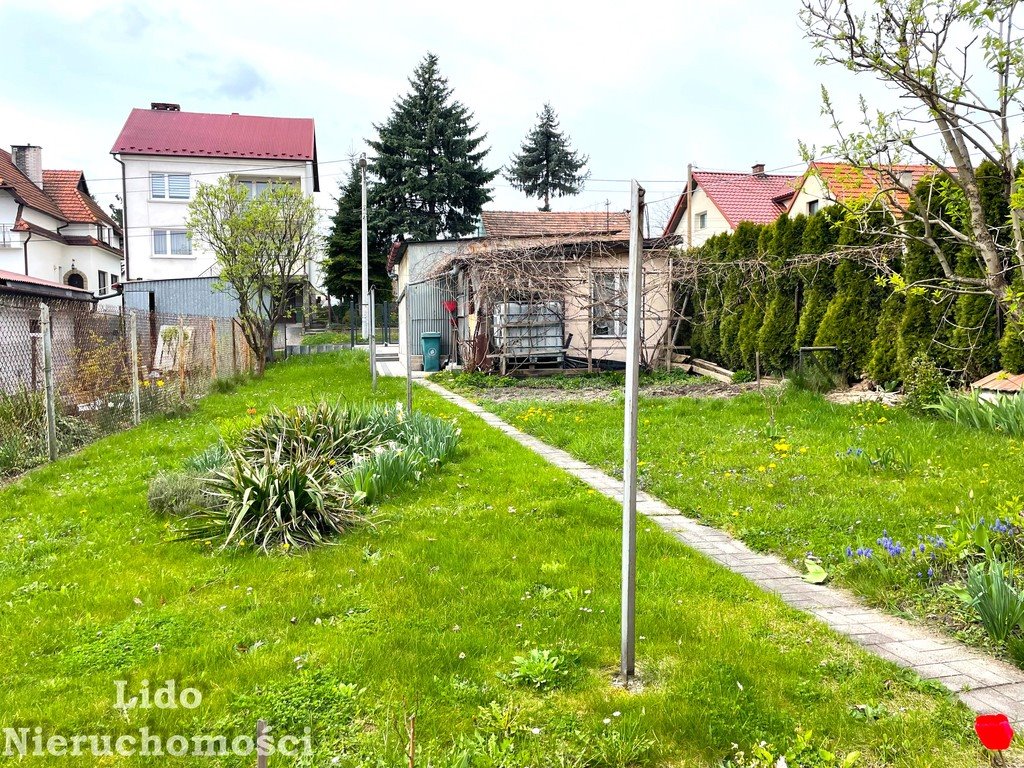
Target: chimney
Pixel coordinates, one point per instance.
(29, 160)
(757, 169)
(163, 106)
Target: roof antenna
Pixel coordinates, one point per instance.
(607, 214)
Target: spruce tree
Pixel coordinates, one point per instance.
(343, 265)
(546, 164)
(431, 181)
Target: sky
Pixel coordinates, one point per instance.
(643, 90)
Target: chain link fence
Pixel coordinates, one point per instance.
(70, 372)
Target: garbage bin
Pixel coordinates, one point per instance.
(431, 343)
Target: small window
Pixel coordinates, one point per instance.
(102, 282)
(609, 297)
(812, 207)
(169, 186)
(256, 187)
(702, 220)
(171, 242)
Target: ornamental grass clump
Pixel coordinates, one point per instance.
(1004, 414)
(301, 478)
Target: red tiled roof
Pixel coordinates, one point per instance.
(24, 190)
(498, 224)
(69, 191)
(759, 198)
(847, 184)
(746, 197)
(198, 134)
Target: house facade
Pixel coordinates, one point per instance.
(165, 154)
(716, 202)
(52, 229)
(537, 287)
(823, 184)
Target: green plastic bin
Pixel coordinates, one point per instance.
(431, 343)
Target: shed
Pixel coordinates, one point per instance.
(999, 384)
(196, 296)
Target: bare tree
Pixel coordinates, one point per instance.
(958, 68)
(263, 246)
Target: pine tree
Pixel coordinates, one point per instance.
(546, 164)
(431, 182)
(343, 264)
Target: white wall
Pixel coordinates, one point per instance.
(812, 189)
(143, 215)
(716, 222)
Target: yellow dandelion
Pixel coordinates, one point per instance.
(159, 382)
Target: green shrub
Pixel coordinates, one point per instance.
(327, 431)
(924, 384)
(802, 753)
(750, 324)
(742, 376)
(210, 460)
(883, 367)
(176, 494)
(851, 318)
(777, 336)
(1011, 347)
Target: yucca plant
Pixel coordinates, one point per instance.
(332, 431)
(290, 499)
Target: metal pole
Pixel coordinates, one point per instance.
(261, 748)
(352, 319)
(408, 348)
(633, 319)
(373, 340)
(133, 348)
(365, 251)
(51, 408)
(689, 207)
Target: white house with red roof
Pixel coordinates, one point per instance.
(52, 229)
(165, 154)
(717, 202)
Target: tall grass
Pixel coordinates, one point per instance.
(1004, 414)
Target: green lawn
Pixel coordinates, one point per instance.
(783, 474)
(425, 611)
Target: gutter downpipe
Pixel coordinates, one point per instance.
(124, 218)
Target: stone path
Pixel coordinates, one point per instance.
(985, 684)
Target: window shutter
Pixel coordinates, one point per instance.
(160, 241)
(158, 186)
(178, 186)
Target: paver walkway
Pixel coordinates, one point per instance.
(985, 684)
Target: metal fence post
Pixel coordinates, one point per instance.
(408, 348)
(213, 349)
(352, 319)
(133, 350)
(181, 357)
(51, 406)
(373, 340)
(261, 749)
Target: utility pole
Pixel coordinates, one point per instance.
(365, 287)
(689, 210)
(633, 320)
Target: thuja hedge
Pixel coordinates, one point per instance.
(879, 332)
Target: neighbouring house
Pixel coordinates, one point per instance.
(165, 154)
(717, 201)
(823, 184)
(52, 229)
(535, 289)
(20, 299)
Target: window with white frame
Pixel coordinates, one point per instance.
(169, 186)
(171, 242)
(702, 220)
(608, 316)
(256, 187)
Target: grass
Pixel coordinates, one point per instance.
(794, 474)
(345, 337)
(444, 606)
(473, 383)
